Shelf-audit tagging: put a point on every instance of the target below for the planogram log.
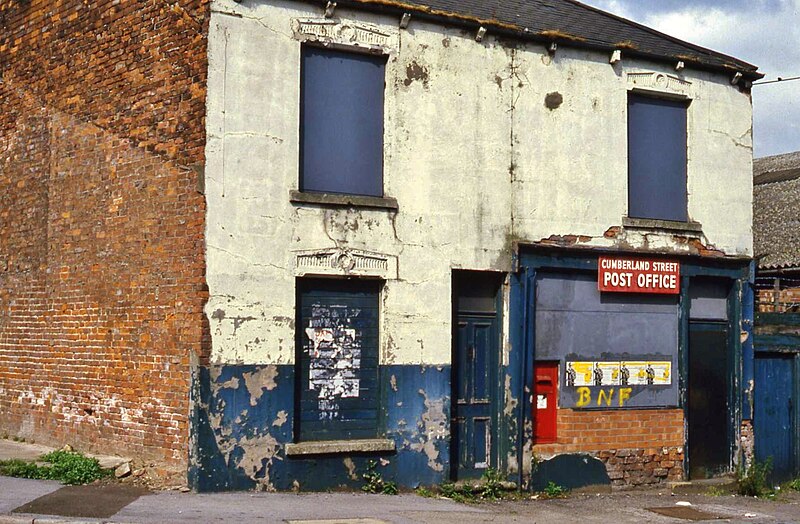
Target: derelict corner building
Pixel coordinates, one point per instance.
(426, 238)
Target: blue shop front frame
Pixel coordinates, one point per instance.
(532, 260)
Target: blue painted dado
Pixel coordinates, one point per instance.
(244, 416)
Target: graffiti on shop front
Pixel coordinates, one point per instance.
(604, 374)
(605, 397)
(335, 357)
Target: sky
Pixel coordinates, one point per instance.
(765, 33)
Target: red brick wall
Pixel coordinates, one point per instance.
(786, 300)
(101, 222)
(637, 446)
(580, 430)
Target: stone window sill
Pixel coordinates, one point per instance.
(337, 200)
(668, 225)
(329, 447)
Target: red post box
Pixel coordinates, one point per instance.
(545, 399)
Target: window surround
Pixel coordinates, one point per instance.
(342, 200)
(691, 228)
(332, 447)
(353, 177)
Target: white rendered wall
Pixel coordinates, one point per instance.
(475, 159)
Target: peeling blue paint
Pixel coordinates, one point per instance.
(240, 435)
(748, 356)
(570, 471)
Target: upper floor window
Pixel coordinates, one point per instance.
(657, 159)
(341, 118)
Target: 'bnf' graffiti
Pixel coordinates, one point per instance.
(605, 397)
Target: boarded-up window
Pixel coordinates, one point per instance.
(341, 122)
(337, 360)
(616, 335)
(656, 159)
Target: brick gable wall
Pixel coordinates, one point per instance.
(102, 275)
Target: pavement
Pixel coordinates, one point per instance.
(24, 501)
(359, 508)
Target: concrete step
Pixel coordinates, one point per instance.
(702, 486)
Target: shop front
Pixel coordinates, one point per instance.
(634, 363)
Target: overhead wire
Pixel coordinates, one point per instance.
(779, 79)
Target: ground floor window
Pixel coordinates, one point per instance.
(618, 350)
(337, 390)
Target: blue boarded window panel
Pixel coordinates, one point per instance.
(341, 146)
(337, 360)
(656, 159)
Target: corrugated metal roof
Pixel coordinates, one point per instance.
(776, 211)
(563, 21)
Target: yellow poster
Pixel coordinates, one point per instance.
(643, 373)
(647, 373)
(579, 374)
(606, 374)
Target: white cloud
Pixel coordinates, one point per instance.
(765, 33)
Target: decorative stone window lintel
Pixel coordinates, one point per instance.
(660, 83)
(346, 34)
(345, 262)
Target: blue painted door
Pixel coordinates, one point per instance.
(774, 417)
(474, 384)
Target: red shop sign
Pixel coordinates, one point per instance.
(638, 275)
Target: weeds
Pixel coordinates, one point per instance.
(554, 491)
(73, 468)
(375, 483)
(491, 487)
(456, 493)
(752, 481)
(65, 466)
(22, 469)
(794, 484)
(425, 492)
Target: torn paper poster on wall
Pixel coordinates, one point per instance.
(334, 353)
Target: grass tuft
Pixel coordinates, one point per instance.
(68, 467)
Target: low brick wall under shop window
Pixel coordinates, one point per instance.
(637, 446)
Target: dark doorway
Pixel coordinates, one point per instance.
(475, 372)
(709, 386)
(775, 414)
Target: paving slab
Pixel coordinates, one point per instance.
(283, 507)
(92, 501)
(16, 492)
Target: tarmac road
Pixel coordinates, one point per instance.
(358, 508)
